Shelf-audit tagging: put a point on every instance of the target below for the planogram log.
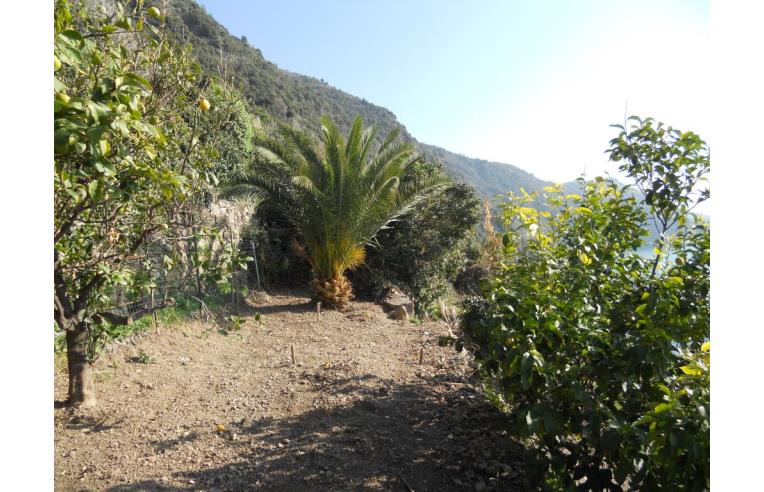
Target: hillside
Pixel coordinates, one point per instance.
(488, 178)
(301, 100)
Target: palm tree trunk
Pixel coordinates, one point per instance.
(335, 292)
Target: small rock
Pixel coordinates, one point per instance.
(400, 314)
(395, 299)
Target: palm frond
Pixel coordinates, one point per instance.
(341, 194)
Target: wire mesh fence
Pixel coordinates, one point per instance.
(185, 277)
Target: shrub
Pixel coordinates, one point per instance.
(279, 261)
(600, 354)
(422, 253)
(234, 140)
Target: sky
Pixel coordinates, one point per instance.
(531, 83)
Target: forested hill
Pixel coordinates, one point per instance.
(489, 178)
(301, 100)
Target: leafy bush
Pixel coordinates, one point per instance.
(422, 253)
(279, 261)
(234, 142)
(599, 354)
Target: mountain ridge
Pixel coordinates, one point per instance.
(301, 100)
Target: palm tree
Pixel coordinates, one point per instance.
(338, 195)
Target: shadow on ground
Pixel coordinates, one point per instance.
(90, 423)
(434, 434)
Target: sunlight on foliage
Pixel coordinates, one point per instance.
(337, 195)
(598, 353)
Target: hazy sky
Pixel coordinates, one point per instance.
(531, 83)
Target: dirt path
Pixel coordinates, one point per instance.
(356, 412)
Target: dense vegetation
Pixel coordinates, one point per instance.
(598, 353)
(424, 251)
(134, 146)
(338, 196)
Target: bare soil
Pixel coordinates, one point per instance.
(357, 411)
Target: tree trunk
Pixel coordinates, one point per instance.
(81, 384)
(336, 292)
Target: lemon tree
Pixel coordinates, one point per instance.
(128, 161)
(600, 354)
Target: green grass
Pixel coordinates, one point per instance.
(182, 311)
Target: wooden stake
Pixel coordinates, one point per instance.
(196, 268)
(291, 349)
(154, 314)
(318, 311)
(234, 285)
(421, 354)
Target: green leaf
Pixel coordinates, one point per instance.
(691, 371)
(72, 38)
(121, 126)
(662, 407)
(95, 189)
(105, 147)
(97, 110)
(124, 23)
(674, 282)
(59, 86)
(150, 152)
(70, 55)
(537, 358)
(136, 81)
(105, 167)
